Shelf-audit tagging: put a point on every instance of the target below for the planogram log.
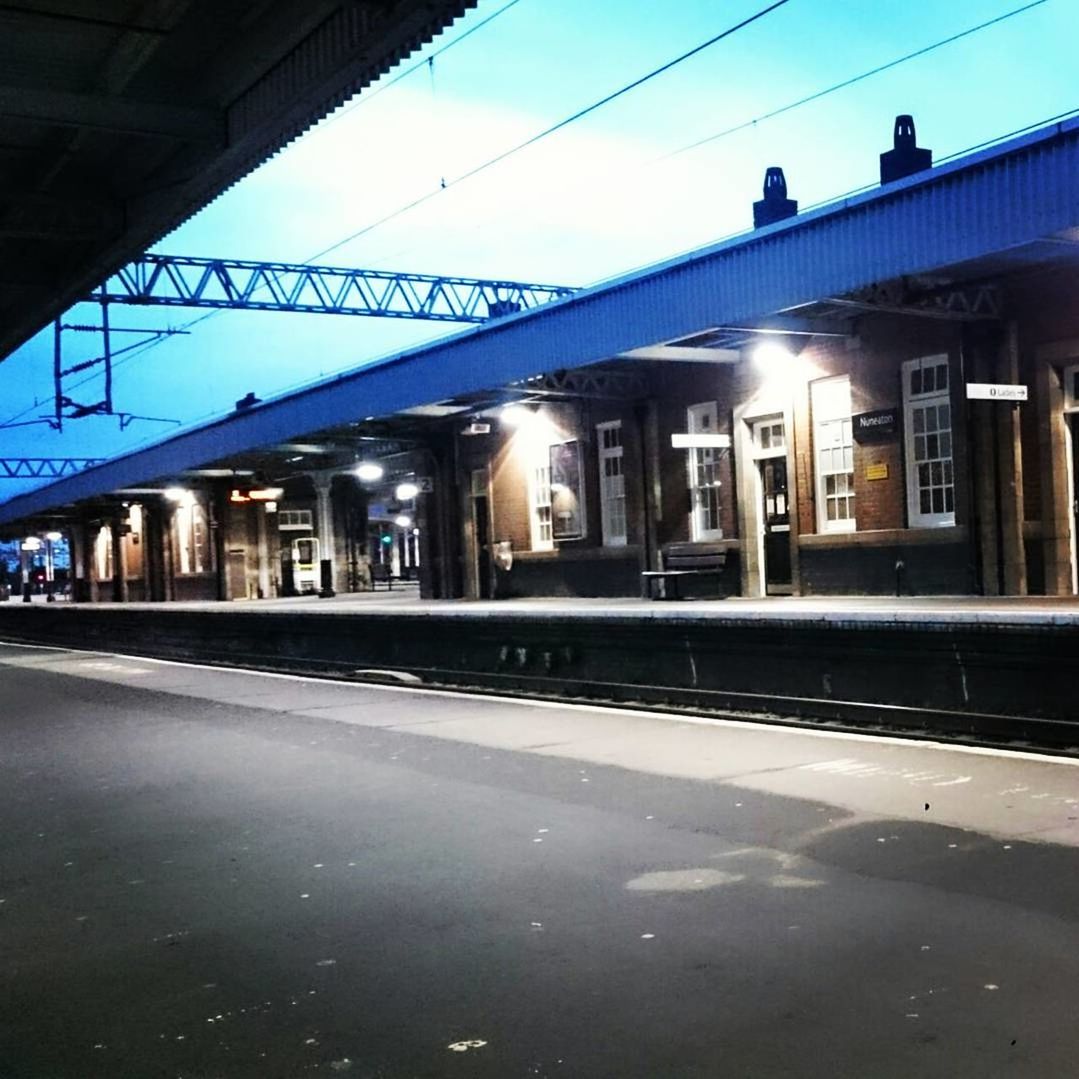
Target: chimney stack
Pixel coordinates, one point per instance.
(775, 206)
(906, 157)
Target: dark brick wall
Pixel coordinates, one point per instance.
(935, 569)
(552, 576)
(195, 586)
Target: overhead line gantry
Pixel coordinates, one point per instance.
(240, 285)
(232, 284)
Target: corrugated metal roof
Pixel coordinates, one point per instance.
(998, 200)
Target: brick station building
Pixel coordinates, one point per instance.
(872, 397)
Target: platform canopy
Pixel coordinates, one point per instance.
(120, 119)
(928, 246)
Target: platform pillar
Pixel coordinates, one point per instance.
(1010, 470)
(323, 492)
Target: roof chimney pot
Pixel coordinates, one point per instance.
(906, 157)
(775, 206)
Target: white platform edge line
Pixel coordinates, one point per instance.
(638, 713)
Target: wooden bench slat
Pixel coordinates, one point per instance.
(680, 560)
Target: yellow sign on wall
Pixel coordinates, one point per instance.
(878, 471)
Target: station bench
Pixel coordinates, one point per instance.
(686, 560)
(381, 574)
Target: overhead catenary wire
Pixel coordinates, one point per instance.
(853, 80)
(574, 184)
(817, 95)
(563, 123)
(367, 96)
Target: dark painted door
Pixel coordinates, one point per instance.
(1073, 429)
(777, 525)
(482, 531)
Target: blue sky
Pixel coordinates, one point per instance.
(599, 197)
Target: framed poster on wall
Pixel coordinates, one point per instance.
(567, 494)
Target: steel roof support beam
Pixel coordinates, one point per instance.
(81, 19)
(683, 354)
(103, 113)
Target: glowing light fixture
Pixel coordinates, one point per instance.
(514, 415)
(369, 471)
(175, 494)
(773, 358)
(406, 491)
(54, 537)
(402, 520)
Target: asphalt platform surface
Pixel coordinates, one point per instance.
(213, 873)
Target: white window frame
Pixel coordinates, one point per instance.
(612, 488)
(833, 432)
(1070, 379)
(103, 553)
(912, 403)
(190, 521)
(703, 418)
(539, 500)
(295, 520)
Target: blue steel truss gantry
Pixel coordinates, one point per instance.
(32, 468)
(180, 281)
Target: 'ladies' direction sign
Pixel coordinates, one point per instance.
(995, 391)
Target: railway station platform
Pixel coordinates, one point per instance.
(405, 600)
(985, 670)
